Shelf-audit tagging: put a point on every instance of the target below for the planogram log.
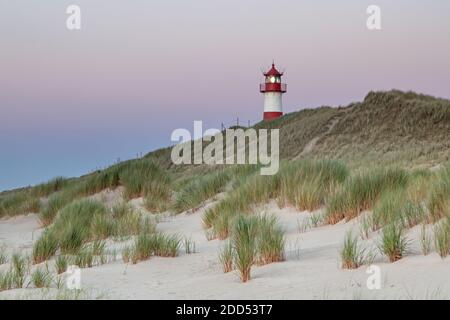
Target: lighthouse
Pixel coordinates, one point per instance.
(273, 89)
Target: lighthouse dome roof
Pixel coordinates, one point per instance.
(273, 72)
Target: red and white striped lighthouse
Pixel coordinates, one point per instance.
(273, 89)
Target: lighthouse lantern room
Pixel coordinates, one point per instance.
(273, 90)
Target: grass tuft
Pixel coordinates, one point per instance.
(442, 238)
(352, 256)
(45, 247)
(393, 243)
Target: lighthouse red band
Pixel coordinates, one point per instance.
(273, 90)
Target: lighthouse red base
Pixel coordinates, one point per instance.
(272, 115)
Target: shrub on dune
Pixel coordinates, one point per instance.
(3, 254)
(41, 277)
(17, 203)
(393, 242)
(166, 245)
(244, 243)
(305, 184)
(270, 240)
(75, 224)
(194, 193)
(45, 247)
(352, 255)
(19, 269)
(103, 227)
(61, 264)
(157, 196)
(255, 190)
(143, 248)
(361, 191)
(52, 186)
(226, 257)
(442, 238)
(439, 196)
(135, 176)
(152, 244)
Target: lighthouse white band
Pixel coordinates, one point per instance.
(272, 102)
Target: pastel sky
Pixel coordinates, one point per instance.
(73, 101)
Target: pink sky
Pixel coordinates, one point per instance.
(71, 101)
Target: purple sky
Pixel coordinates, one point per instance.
(73, 101)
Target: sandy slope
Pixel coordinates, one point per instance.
(311, 270)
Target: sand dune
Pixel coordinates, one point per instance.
(311, 270)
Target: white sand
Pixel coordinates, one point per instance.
(311, 270)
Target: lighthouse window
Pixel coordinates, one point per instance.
(272, 79)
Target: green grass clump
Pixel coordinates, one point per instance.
(84, 258)
(361, 191)
(393, 242)
(55, 203)
(189, 245)
(122, 209)
(439, 196)
(352, 255)
(102, 226)
(198, 190)
(19, 268)
(61, 264)
(226, 257)
(41, 277)
(152, 244)
(270, 240)
(244, 244)
(3, 254)
(18, 203)
(305, 184)
(157, 196)
(45, 247)
(52, 186)
(135, 177)
(425, 240)
(388, 209)
(6, 280)
(442, 238)
(166, 245)
(256, 189)
(254, 240)
(143, 248)
(14, 278)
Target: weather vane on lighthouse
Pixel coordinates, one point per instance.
(273, 89)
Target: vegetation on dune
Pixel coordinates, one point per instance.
(291, 186)
(352, 255)
(439, 197)
(305, 184)
(85, 221)
(45, 247)
(194, 193)
(361, 191)
(442, 238)
(350, 138)
(254, 240)
(226, 257)
(393, 243)
(41, 277)
(244, 245)
(138, 176)
(152, 244)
